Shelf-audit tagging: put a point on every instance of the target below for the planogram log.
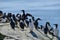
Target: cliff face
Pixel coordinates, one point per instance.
(18, 34)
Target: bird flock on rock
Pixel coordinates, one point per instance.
(23, 21)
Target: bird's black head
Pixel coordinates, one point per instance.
(38, 18)
(1, 12)
(48, 23)
(56, 25)
(23, 10)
